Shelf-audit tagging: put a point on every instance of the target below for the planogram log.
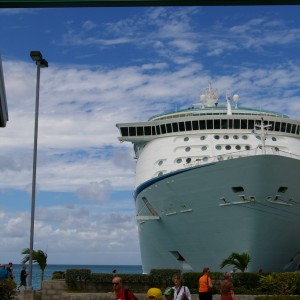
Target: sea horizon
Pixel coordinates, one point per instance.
(51, 268)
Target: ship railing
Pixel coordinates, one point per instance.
(241, 153)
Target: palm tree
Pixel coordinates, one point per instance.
(39, 257)
(239, 261)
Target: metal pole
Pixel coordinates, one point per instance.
(34, 172)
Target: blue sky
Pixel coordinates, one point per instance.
(113, 65)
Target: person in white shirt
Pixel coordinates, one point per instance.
(181, 292)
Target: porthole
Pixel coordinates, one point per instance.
(226, 137)
(160, 162)
(202, 137)
(258, 137)
(205, 158)
(245, 137)
(227, 147)
(186, 139)
(203, 148)
(179, 160)
(276, 149)
(218, 147)
(238, 147)
(160, 174)
(220, 158)
(188, 160)
(216, 137)
(187, 149)
(274, 138)
(236, 137)
(247, 147)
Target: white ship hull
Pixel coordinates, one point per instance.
(212, 180)
(249, 204)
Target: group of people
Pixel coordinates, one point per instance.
(7, 272)
(205, 284)
(179, 291)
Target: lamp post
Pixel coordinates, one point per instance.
(40, 63)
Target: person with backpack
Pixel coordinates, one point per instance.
(120, 292)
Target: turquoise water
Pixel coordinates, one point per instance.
(50, 269)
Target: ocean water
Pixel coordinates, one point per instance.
(50, 269)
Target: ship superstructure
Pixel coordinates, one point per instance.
(214, 179)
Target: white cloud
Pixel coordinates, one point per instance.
(96, 191)
(174, 56)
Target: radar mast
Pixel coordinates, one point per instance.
(210, 96)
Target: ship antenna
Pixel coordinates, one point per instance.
(228, 97)
(263, 133)
(209, 97)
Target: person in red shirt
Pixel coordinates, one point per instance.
(226, 287)
(119, 290)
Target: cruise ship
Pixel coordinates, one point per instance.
(213, 179)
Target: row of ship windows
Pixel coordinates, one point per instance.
(225, 137)
(189, 160)
(218, 147)
(207, 125)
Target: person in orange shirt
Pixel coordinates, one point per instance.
(204, 283)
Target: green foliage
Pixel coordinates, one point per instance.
(239, 261)
(247, 280)
(78, 279)
(163, 276)
(191, 279)
(7, 289)
(277, 297)
(39, 257)
(244, 283)
(73, 276)
(58, 275)
(281, 283)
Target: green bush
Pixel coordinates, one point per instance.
(244, 283)
(58, 275)
(7, 289)
(162, 277)
(281, 283)
(277, 297)
(78, 279)
(73, 276)
(247, 280)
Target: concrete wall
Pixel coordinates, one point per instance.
(57, 290)
(53, 289)
(109, 296)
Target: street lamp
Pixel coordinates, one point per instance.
(40, 63)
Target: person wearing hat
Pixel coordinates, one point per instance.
(154, 294)
(169, 293)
